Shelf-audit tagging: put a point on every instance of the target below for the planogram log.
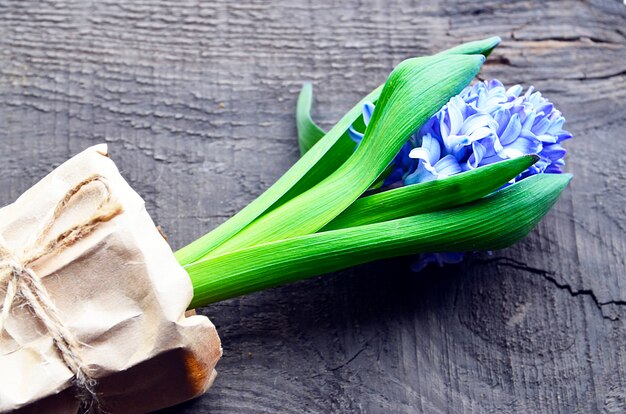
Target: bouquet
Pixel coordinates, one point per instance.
(94, 302)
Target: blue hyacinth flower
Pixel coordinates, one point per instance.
(485, 123)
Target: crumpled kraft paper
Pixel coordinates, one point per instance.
(119, 291)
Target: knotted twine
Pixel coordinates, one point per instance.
(22, 285)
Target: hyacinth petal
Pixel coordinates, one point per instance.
(420, 175)
(424, 260)
(439, 258)
(563, 135)
(427, 155)
(368, 111)
(430, 151)
(497, 146)
(444, 124)
(558, 120)
(541, 126)
(478, 122)
(494, 83)
(553, 152)
(547, 138)
(501, 117)
(490, 159)
(481, 133)
(529, 121)
(522, 146)
(456, 115)
(424, 172)
(454, 144)
(556, 124)
(512, 130)
(546, 108)
(355, 135)
(446, 166)
(514, 90)
(478, 152)
(554, 168)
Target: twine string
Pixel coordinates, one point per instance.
(22, 285)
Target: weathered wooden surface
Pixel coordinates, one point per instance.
(196, 100)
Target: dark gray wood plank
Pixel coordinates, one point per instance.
(196, 101)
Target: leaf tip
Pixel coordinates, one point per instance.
(306, 90)
(483, 47)
(567, 178)
(490, 44)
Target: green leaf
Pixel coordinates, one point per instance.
(381, 178)
(416, 89)
(490, 223)
(328, 154)
(318, 163)
(483, 46)
(308, 132)
(430, 196)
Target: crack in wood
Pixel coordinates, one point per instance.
(550, 276)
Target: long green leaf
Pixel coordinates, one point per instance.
(329, 153)
(308, 131)
(415, 90)
(491, 223)
(430, 196)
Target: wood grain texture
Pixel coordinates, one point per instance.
(197, 99)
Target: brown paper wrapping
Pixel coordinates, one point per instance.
(119, 290)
